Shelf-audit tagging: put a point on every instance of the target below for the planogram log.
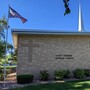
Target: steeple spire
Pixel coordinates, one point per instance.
(80, 23)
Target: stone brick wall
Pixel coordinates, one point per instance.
(45, 52)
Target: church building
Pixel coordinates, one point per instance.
(51, 50)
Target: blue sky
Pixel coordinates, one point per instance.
(46, 15)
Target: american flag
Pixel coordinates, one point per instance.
(14, 14)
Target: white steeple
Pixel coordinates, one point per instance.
(80, 23)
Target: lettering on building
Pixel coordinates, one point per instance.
(64, 56)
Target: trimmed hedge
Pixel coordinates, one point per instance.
(24, 79)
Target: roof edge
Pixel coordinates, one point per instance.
(47, 32)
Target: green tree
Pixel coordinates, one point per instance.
(14, 55)
(66, 5)
(3, 26)
(3, 48)
(3, 23)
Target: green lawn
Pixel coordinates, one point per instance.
(83, 85)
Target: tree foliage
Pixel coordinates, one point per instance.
(3, 48)
(66, 5)
(14, 55)
(3, 23)
(3, 26)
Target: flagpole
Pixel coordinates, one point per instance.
(6, 39)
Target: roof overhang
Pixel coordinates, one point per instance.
(16, 32)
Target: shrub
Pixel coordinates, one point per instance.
(1, 71)
(23, 79)
(13, 70)
(66, 73)
(79, 73)
(8, 71)
(44, 75)
(59, 75)
(1, 75)
(87, 72)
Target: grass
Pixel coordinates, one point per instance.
(74, 85)
(7, 67)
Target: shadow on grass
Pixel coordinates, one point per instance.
(76, 85)
(59, 86)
